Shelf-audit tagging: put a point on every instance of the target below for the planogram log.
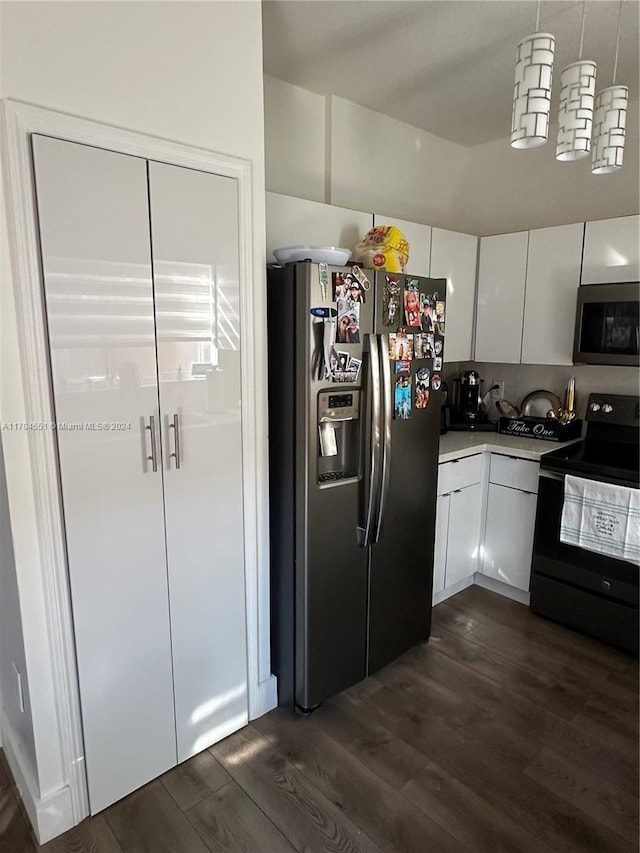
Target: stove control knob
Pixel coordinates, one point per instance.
(605, 585)
(607, 408)
(595, 407)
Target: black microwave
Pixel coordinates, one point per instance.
(607, 324)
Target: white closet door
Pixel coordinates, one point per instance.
(194, 222)
(94, 230)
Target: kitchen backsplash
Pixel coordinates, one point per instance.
(521, 379)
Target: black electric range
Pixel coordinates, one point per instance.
(599, 457)
(583, 589)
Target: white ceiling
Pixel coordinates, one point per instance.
(446, 66)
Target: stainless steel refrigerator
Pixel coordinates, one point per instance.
(354, 426)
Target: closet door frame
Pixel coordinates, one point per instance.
(34, 386)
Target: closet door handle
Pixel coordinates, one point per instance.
(154, 448)
(175, 426)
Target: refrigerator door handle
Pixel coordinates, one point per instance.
(365, 534)
(386, 414)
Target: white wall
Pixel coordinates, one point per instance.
(375, 163)
(190, 72)
(522, 379)
(383, 165)
(510, 190)
(294, 140)
(11, 642)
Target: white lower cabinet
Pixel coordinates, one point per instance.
(508, 537)
(485, 529)
(458, 512)
(463, 533)
(510, 520)
(440, 547)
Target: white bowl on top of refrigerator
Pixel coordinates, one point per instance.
(316, 254)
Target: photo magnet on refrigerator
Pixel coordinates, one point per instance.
(338, 286)
(403, 367)
(323, 270)
(361, 277)
(392, 346)
(403, 347)
(356, 291)
(390, 300)
(422, 388)
(402, 400)
(353, 368)
(426, 315)
(411, 305)
(348, 328)
(436, 381)
(343, 367)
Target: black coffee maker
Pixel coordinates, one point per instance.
(467, 413)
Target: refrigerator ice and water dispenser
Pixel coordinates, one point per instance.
(338, 435)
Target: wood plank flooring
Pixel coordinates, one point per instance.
(504, 734)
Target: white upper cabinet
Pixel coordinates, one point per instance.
(611, 250)
(419, 239)
(553, 276)
(454, 257)
(298, 222)
(501, 287)
(527, 287)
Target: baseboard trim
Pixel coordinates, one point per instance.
(50, 815)
(266, 697)
(511, 592)
(452, 590)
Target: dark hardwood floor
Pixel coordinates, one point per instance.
(504, 734)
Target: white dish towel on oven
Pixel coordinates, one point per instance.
(601, 517)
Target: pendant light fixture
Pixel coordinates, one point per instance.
(532, 89)
(609, 123)
(577, 94)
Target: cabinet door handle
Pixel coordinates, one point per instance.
(175, 426)
(456, 491)
(151, 426)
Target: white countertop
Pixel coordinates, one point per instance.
(456, 444)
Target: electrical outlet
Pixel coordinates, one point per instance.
(497, 393)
